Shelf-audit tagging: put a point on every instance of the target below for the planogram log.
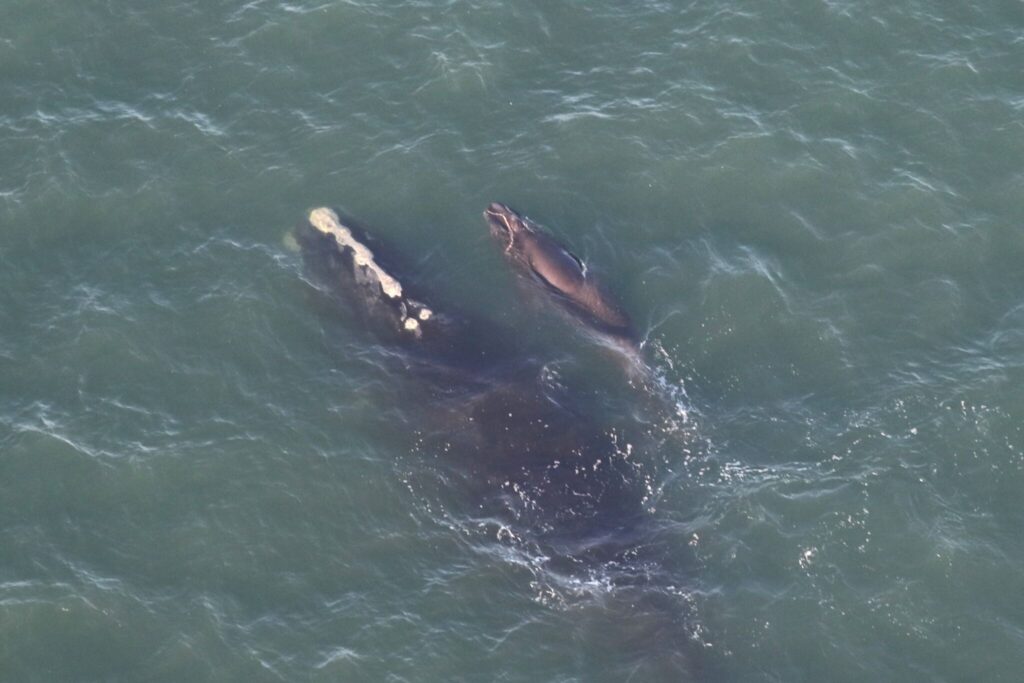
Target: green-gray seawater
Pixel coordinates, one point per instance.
(812, 209)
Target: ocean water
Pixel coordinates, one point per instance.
(812, 209)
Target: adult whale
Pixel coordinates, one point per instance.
(530, 455)
(538, 255)
(558, 487)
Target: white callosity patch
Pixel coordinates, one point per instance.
(326, 221)
(412, 313)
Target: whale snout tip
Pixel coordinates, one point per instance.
(506, 225)
(495, 209)
(501, 221)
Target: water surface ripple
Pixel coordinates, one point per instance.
(812, 210)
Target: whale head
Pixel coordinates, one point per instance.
(506, 225)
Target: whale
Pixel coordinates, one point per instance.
(564, 275)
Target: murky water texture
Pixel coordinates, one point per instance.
(210, 470)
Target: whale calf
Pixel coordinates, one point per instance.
(538, 255)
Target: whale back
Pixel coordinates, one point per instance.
(554, 265)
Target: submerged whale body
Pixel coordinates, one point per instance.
(538, 255)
